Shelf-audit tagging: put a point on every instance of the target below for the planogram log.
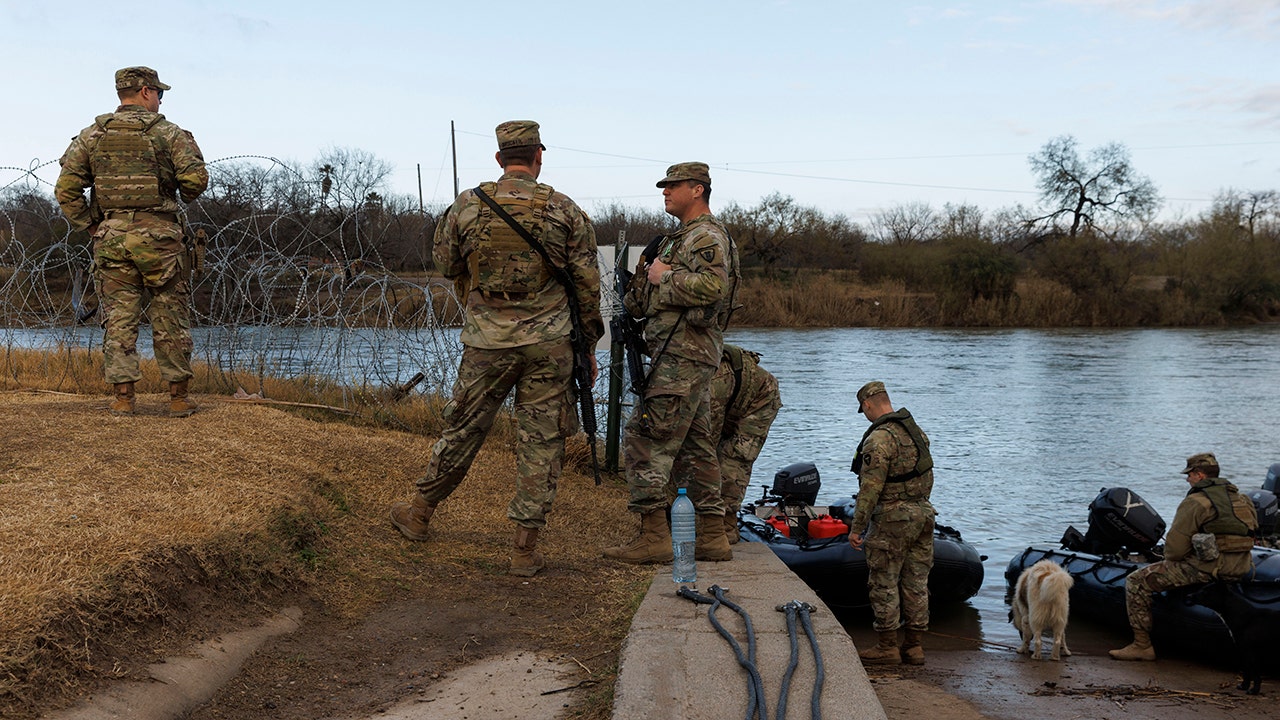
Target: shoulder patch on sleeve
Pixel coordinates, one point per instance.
(708, 254)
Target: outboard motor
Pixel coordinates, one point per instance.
(1121, 520)
(1268, 508)
(797, 484)
(796, 489)
(1273, 478)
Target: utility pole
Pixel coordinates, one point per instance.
(421, 211)
(453, 143)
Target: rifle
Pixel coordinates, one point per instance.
(629, 330)
(582, 352)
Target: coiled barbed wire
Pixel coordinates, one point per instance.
(297, 284)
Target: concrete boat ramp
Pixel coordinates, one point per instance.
(675, 664)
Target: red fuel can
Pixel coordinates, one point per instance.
(779, 524)
(825, 526)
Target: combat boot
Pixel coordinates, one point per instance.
(912, 650)
(885, 652)
(1139, 649)
(731, 526)
(712, 543)
(123, 404)
(526, 561)
(179, 404)
(411, 518)
(652, 545)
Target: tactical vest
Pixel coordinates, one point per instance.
(505, 262)
(924, 461)
(126, 167)
(1225, 521)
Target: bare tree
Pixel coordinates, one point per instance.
(767, 233)
(909, 223)
(1088, 192)
(346, 177)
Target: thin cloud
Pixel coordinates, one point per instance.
(1261, 103)
(1260, 18)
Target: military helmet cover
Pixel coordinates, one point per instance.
(1200, 461)
(518, 133)
(138, 77)
(687, 171)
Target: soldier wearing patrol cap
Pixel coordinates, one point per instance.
(1211, 538)
(137, 164)
(894, 519)
(686, 294)
(515, 337)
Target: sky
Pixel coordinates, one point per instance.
(850, 107)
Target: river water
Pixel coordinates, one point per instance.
(1027, 425)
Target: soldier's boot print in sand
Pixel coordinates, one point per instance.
(412, 518)
(124, 399)
(731, 526)
(912, 649)
(526, 561)
(652, 545)
(885, 652)
(712, 543)
(1139, 649)
(180, 405)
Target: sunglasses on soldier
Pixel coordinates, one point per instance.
(159, 93)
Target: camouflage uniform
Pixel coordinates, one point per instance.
(1180, 566)
(516, 333)
(894, 501)
(744, 401)
(686, 314)
(136, 161)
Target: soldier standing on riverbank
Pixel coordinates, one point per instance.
(516, 336)
(1214, 507)
(685, 294)
(895, 479)
(136, 163)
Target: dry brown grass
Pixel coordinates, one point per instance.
(77, 370)
(830, 299)
(109, 524)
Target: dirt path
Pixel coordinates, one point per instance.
(413, 657)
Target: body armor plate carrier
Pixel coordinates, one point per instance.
(505, 262)
(126, 168)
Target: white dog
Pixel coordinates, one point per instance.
(1040, 604)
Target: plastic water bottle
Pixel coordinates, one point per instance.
(683, 539)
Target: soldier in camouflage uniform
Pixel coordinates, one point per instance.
(516, 336)
(685, 294)
(895, 479)
(137, 163)
(744, 402)
(1213, 507)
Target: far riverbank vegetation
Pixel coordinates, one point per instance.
(1089, 253)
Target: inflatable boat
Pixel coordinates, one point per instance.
(1122, 537)
(813, 541)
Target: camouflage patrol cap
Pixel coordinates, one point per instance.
(1200, 461)
(518, 133)
(138, 77)
(687, 171)
(875, 387)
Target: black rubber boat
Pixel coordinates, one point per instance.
(813, 541)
